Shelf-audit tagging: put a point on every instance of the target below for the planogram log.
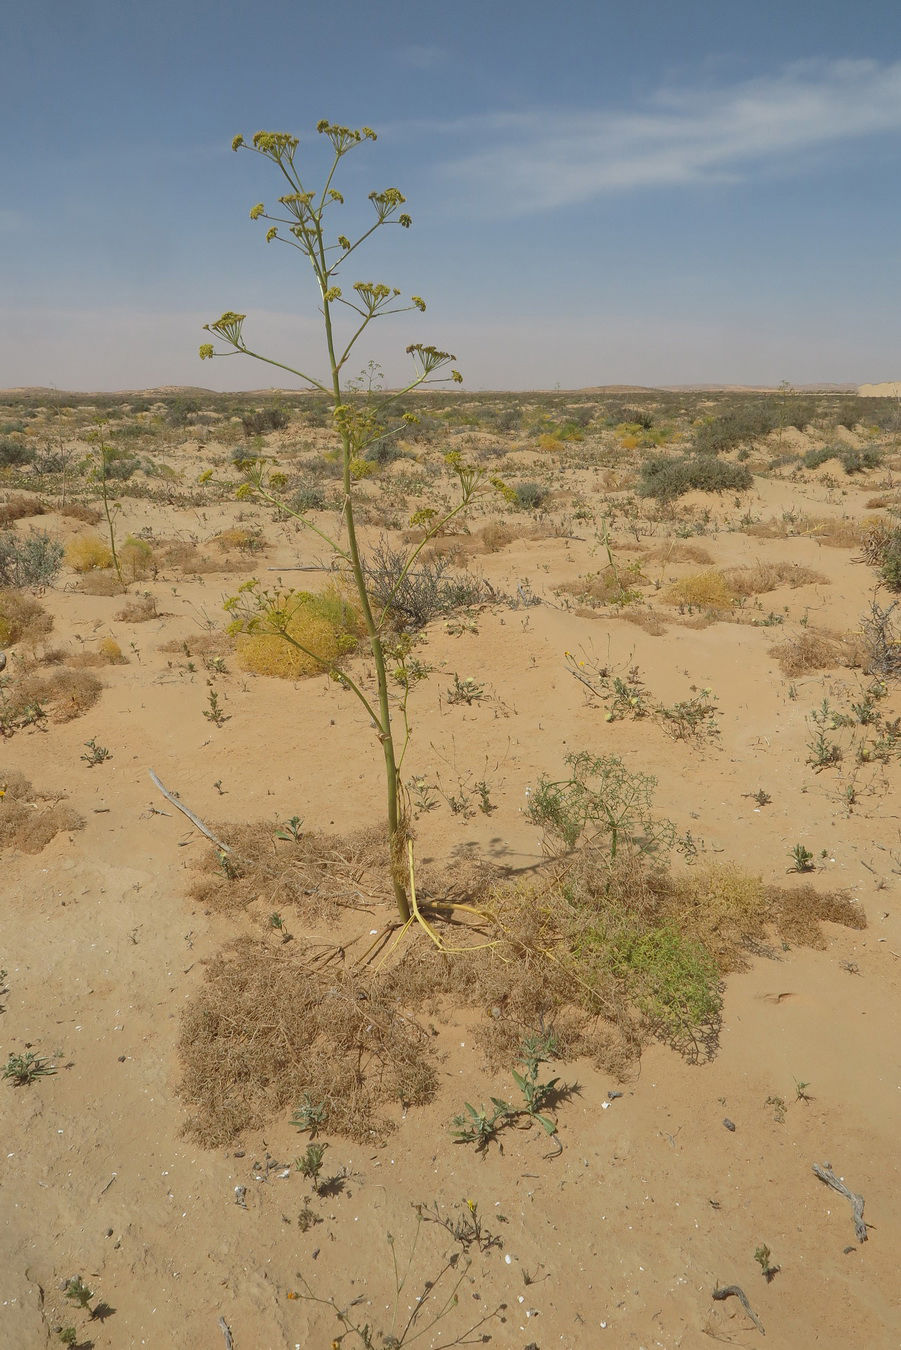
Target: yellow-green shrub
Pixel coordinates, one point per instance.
(324, 624)
(87, 553)
(136, 558)
(111, 652)
(704, 590)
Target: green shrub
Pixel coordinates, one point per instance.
(15, 452)
(33, 559)
(264, 419)
(673, 979)
(858, 461)
(666, 479)
(529, 496)
(734, 428)
(890, 559)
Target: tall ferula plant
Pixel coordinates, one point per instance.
(304, 223)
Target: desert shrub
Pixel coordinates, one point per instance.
(248, 541)
(138, 609)
(20, 508)
(884, 548)
(496, 536)
(13, 453)
(429, 590)
(807, 651)
(702, 590)
(618, 586)
(309, 496)
(29, 819)
(77, 511)
(881, 637)
(136, 558)
(88, 553)
(263, 420)
(298, 634)
(734, 428)
(666, 479)
(21, 617)
(762, 577)
(31, 559)
(111, 653)
(119, 464)
(62, 695)
(858, 461)
(530, 495)
(814, 458)
(601, 798)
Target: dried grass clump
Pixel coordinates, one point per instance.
(811, 649)
(702, 590)
(101, 583)
(798, 913)
(678, 552)
(29, 819)
(20, 508)
(22, 618)
(248, 541)
(267, 1026)
(646, 619)
(325, 624)
(309, 877)
(495, 536)
(63, 695)
(138, 609)
(88, 553)
(836, 532)
(76, 511)
(763, 577)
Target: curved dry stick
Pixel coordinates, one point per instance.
(195, 820)
(825, 1173)
(733, 1289)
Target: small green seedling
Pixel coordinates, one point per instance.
(68, 1335)
(801, 1093)
(291, 832)
(96, 753)
(309, 1115)
(23, 1069)
(78, 1291)
(802, 859)
(466, 691)
(214, 713)
(762, 1257)
(478, 1127)
(309, 1164)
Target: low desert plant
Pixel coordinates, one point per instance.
(703, 590)
(31, 559)
(27, 1068)
(87, 553)
(22, 618)
(291, 634)
(600, 798)
(410, 598)
(480, 1126)
(666, 479)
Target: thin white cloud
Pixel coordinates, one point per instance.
(550, 158)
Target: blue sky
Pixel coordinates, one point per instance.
(652, 193)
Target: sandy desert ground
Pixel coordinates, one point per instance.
(680, 1156)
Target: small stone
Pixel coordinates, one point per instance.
(728, 1124)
